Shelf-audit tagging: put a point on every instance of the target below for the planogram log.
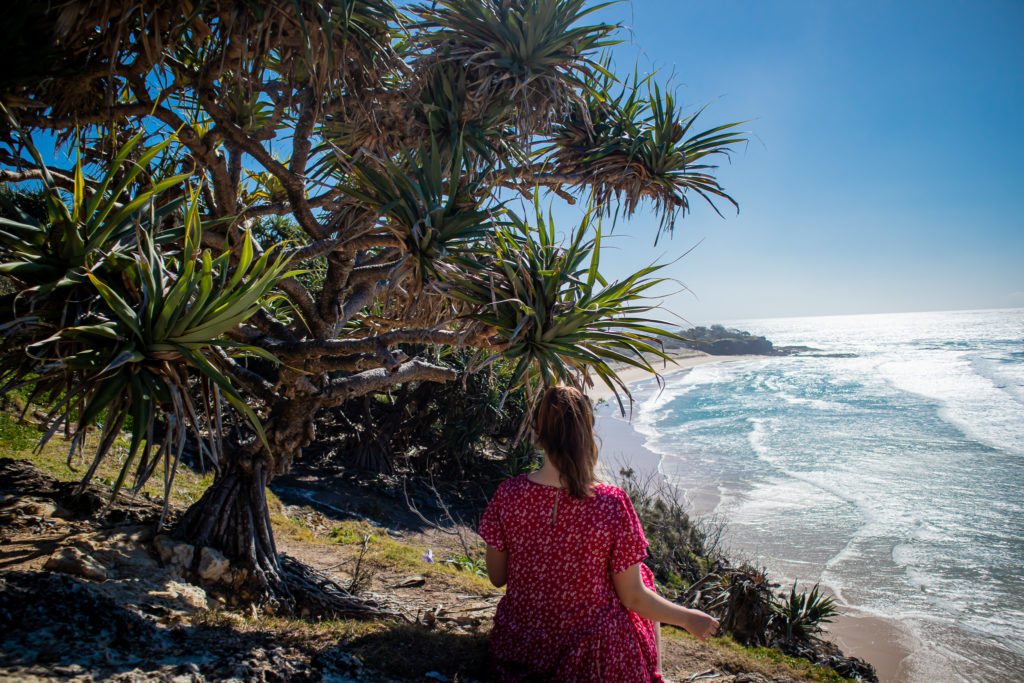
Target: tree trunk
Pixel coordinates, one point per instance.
(233, 518)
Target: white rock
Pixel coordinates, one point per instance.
(212, 565)
(175, 554)
(74, 561)
(40, 508)
(186, 592)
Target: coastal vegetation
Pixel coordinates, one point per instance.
(273, 218)
(249, 248)
(721, 341)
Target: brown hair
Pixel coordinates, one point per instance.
(565, 430)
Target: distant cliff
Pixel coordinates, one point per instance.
(721, 341)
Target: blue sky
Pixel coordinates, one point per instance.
(885, 171)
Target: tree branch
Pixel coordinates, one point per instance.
(294, 184)
(203, 151)
(100, 116)
(374, 273)
(301, 298)
(61, 181)
(363, 361)
(341, 390)
(299, 350)
(360, 297)
(249, 380)
(285, 208)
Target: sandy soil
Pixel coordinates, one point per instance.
(886, 643)
(683, 359)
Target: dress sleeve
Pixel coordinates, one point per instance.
(629, 545)
(490, 524)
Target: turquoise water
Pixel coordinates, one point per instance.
(889, 466)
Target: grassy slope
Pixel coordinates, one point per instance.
(397, 649)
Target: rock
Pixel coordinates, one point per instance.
(85, 543)
(39, 508)
(74, 561)
(175, 554)
(193, 596)
(750, 677)
(213, 566)
(719, 341)
(31, 507)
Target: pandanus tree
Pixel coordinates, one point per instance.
(394, 140)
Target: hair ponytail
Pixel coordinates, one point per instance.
(565, 430)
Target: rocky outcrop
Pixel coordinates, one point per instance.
(720, 341)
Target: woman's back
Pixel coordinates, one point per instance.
(561, 618)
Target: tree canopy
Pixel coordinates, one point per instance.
(275, 208)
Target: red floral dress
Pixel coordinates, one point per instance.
(560, 618)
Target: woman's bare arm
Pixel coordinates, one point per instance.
(630, 588)
(497, 566)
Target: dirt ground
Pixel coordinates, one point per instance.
(86, 598)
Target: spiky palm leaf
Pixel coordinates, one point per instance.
(114, 332)
(562, 319)
(427, 205)
(97, 227)
(449, 114)
(633, 148)
(802, 614)
(49, 260)
(138, 354)
(529, 53)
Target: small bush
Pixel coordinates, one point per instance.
(681, 551)
(802, 614)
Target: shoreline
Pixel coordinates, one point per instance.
(886, 643)
(682, 361)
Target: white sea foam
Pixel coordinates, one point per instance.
(815, 403)
(855, 472)
(971, 402)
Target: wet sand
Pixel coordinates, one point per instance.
(887, 644)
(684, 359)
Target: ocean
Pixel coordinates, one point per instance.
(888, 465)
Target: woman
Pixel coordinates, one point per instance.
(579, 604)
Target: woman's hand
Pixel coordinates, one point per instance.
(702, 625)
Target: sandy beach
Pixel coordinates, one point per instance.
(683, 360)
(885, 643)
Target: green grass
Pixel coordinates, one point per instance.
(18, 441)
(15, 436)
(736, 658)
(385, 553)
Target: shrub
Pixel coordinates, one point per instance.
(681, 551)
(802, 614)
